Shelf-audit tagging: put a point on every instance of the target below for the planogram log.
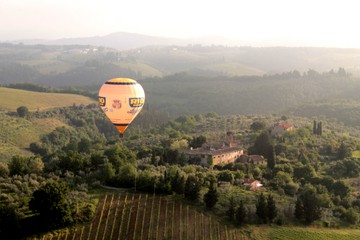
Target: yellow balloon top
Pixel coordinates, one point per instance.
(124, 81)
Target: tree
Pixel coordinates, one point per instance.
(127, 175)
(261, 208)
(18, 165)
(231, 211)
(258, 125)
(271, 208)
(50, 201)
(281, 179)
(211, 197)
(343, 151)
(340, 188)
(197, 142)
(315, 128)
(192, 188)
(348, 168)
(304, 171)
(291, 188)
(299, 209)
(22, 111)
(262, 143)
(178, 183)
(9, 223)
(320, 128)
(179, 144)
(270, 157)
(311, 206)
(84, 145)
(352, 216)
(4, 170)
(163, 184)
(263, 146)
(73, 161)
(119, 155)
(308, 206)
(226, 176)
(240, 214)
(36, 165)
(106, 172)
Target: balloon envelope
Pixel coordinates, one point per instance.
(121, 99)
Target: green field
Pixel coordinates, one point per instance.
(304, 233)
(356, 154)
(11, 99)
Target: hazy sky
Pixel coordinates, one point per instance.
(331, 23)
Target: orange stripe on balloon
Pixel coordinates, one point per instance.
(121, 128)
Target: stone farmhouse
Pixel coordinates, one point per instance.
(280, 128)
(211, 155)
(252, 184)
(253, 159)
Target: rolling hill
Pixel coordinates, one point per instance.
(140, 216)
(17, 133)
(36, 101)
(197, 79)
(75, 65)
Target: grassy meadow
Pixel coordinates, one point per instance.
(11, 99)
(302, 233)
(356, 154)
(17, 133)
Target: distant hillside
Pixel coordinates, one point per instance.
(184, 93)
(118, 40)
(194, 78)
(79, 65)
(169, 56)
(344, 110)
(14, 98)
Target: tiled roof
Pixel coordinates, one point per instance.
(283, 124)
(223, 150)
(256, 158)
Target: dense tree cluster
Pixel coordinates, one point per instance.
(305, 176)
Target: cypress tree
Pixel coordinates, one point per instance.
(271, 208)
(262, 143)
(240, 214)
(307, 207)
(320, 128)
(261, 208)
(178, 183)
(192, 188)
(231, 211)
(311, 207)
(270, 157)
(211, 197)
(299, 209)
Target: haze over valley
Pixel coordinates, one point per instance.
(190, 120)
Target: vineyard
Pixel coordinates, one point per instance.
(141, 216)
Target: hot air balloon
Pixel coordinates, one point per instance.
(121, 99)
